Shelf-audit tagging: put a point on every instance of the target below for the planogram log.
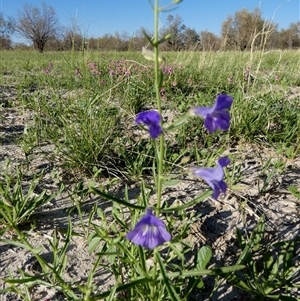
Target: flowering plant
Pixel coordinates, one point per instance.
(153, 230)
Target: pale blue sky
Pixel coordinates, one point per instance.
(98, 17)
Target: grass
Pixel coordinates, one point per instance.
(84, 105)
(260, 109)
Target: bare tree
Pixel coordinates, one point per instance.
(290, 38)
(190, 39)
(175, 27)
(72, 39)
(209, 41)
(37, 25)
(138, 40)
(7, 27)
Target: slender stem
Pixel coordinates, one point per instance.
(156, 62)
(160, 146)
(154, 278)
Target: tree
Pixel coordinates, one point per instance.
(290, 37)
(245, 29)
(7, 28)
(138, 40)
(72, 40)
(175, 27)
(37, 25)
(209, 41)
(190, 39)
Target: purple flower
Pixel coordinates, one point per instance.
(149, 232)
(213, 176)
(217, 116)
(152, 120)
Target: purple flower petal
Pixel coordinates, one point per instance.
(149, 232)
(223, 101)
(216, 117)
(224, 161)
(213, 176)
(154, 131)
(152, 119)
(203, 111)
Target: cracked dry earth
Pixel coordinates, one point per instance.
(242, 207)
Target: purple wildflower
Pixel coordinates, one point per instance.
(92, 65)
(152, 119)
(163, 93)
(149, 232)
(168, 70)
(213, 176)
(217, 116)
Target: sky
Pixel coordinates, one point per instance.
(99, 17)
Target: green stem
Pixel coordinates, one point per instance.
(156, 55)
(160, 146)
(154, 278)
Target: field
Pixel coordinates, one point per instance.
(77, 174)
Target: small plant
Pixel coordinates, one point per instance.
(270, 268)
(18, 200)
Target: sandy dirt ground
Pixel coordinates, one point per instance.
(241, 207)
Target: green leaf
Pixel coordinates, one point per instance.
(287, 298)
(171, 291)
(114, 199)
(149, 39)
(165, 38)
(240, 238)
(171, 183)
(268, 263)
(133, 283)
(176, 251)
(111, 254)
(236, 281)
(203, 257)
(24, 246)
(112, 294)
(24, 279)
(178, 123)
(142, 259)
(258, 233)
(195, 272)
(193, 202)
(200, 284)
(94, 243)
(294, 191)
(274, 271)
